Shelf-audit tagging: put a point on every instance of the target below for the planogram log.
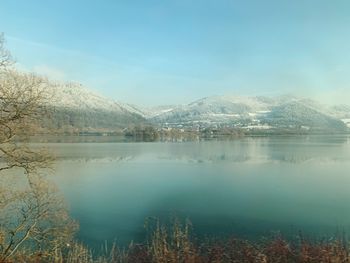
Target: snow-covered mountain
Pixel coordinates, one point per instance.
(214, 109)
(285, 112)
(341, 112)
(298, 114)
(76, 106)
(75, 96)
(151, 112)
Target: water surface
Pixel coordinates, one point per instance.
(247, 187)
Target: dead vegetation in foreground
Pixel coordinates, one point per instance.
(176, 244)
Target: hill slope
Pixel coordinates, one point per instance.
(255, 113)
(77, 108)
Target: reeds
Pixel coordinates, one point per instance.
(174, 243)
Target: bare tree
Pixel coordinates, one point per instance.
(35, 222)
(32, 215)
(5, 56)
(22, 97)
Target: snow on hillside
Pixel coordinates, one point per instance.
(216, 109)
(228, 105)
(151, 112)
(255, 113)
(75, 96)
(299, 113)
(340, 111)
(246, 112)
(347, 122)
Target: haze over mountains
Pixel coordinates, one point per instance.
(76, 107)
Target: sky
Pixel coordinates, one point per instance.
(156, 52)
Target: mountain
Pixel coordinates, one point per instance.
(284, 112)
(216, 109)
(298, 115)
(77, 108)
(341, 112)
(151, 112)
(75, 96)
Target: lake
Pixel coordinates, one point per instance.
(247, 187)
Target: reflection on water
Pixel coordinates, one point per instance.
(247, 150)
(248, 187)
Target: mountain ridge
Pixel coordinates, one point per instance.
(79, 107)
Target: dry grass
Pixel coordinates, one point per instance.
(175, 244)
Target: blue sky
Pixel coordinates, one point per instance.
(174, 51)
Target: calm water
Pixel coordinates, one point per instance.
(247, 187)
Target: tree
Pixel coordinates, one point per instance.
(5, 55)
(32, 215)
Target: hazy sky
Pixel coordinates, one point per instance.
(174, 51)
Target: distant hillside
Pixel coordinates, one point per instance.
(77, 109)
(218, 109)
(256, 113)
(298, 115)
